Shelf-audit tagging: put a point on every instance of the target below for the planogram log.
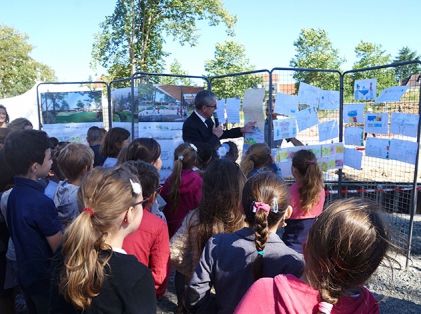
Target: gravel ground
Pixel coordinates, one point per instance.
(398, 289)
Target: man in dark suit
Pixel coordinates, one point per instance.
(199, 127)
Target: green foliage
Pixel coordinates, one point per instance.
(404, 72)
(314, 50)
(18, 71)
(230, 57)
(175, 68)
(370, 55)
(132, 38)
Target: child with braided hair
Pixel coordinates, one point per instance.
(307, 198)
(230, 263)
(345, 246)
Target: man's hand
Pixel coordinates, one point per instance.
(249, 127)
(218, 131)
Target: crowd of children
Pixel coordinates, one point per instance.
(92, 230)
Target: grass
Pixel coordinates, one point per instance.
(69, 117)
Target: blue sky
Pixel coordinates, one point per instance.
(62, 32)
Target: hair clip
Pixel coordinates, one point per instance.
(194, 147)
(180, 157)
(325, 307)
(260, 206)
(137, 189)
(89, 210)
(221, 151)
(275, 207)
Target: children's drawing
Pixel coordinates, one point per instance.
(404, 124)
(353, 113)
(365, 89)
(376, 123)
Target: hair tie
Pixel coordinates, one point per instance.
(260, 206)
(261, 253)
(89, 210)
(180, 157)
(137, 189)
(311, 162)
(325, 307)
(194, 147)
(222, 151)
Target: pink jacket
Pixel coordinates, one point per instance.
(297, 211)
(286, 294)
(190, 194)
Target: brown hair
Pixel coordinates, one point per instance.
(267, 188)
(19, 124)
(7, 115)
(73, 159)
(257, 156)
(108, 193)
(345, 246)
(112, 142)
(143, 148)
(219, 209)
(311, 178)
(185, 157)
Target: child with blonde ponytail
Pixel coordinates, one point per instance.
(258, 159)
(231, 262)
(93, 273)
(183, 189)
(344, 248)
(307, 198)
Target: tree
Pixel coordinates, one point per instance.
(132, 38)
(18, 71)
(230, 57)
(404, 72)
(314, 50)
(370, 55)
(175, 68)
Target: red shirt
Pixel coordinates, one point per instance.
(151, 246)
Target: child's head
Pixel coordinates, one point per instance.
(309, 176)
(228, 150)
(146, 149)
(75, 160)
(28, 153)
(185, 157)
(95, 135)
(114, 140)
(345, 246)
(4, 116)
(205, 155)
(20, 124)
(265, 204)
(112, 202)
(219, 209)
(148, 177)
(257, 156)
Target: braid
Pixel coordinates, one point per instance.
(261, 234)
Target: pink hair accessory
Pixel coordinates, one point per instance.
(311, 162)
(258, 206)
(325, 307)
(89, 210)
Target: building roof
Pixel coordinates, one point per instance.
(176, 91)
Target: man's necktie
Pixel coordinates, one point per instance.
(209, 123)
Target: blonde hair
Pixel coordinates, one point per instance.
(73, 159)
(257, 156)
(106, 194)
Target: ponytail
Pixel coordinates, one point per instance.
(246, 165)
(83, 273)
(261, 234)
(257, 156)
(175, 179)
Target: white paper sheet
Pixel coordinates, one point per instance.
(353, 158)
(233, 110)
(365, 89)
(71, 132)
(376, 123)
(306, 118)
(377, 147)
(286, 104)
(404, 124)
(284, 128)
(309, 95)
(220, 111)
(403, 150)
(328, 130)
(353, 113)
(253, 106)
(353, 136)
(392, 94)
(329, 100)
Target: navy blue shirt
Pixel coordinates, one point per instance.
(31, 217)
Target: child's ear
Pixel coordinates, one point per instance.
(288, 213)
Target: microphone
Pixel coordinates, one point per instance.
(215, 118)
